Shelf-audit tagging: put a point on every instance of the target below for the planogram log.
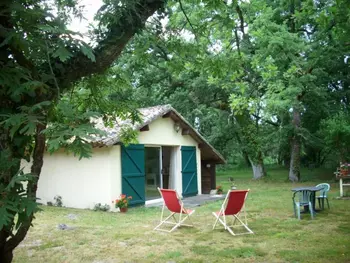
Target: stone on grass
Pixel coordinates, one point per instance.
(65, 227)
(72, 216)
(123, 244)
(213, 192)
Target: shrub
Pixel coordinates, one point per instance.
(58, 201)
(100, 207)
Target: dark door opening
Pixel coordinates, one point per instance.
(152, 170)
(157, 170)
(166, 170)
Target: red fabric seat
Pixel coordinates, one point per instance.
(232, 206)
(174, 204)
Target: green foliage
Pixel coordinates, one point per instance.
(244, 83)
(15, 202)
(24, 123)
(44, 105)
(242, 68)
(336, 133)
(87, 51)
(71, 129)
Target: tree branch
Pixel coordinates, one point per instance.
(241, 19)
(237, 43)
(257, 117)
(162, 52)
(107, 51)
(51, 70)
(188, 20)
(6, 27)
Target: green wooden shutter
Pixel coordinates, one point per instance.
(189, 171)
(133, 172)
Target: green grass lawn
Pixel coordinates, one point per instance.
(129, 237)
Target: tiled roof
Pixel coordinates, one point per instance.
(148, 115)
(113, 133)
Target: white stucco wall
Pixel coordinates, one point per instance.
(81, 183)
(115, 171)
(162, 132)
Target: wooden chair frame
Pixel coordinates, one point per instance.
(221, 216)
(177, 222)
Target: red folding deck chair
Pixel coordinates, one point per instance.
(174, 204)
(232, 206)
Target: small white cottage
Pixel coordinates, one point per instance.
(170, 154)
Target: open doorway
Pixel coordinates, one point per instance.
(158, 170)
(152, 170)
(166, 154)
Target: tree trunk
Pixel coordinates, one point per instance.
(5, 178)
(244, 152)
(5, 256)
(258, 167)
(246, 158)
(38, 159)
(8, 245)
(294, 169)
(120, 31)
(258, 171)
(286, 161)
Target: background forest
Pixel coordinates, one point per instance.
(264, 81)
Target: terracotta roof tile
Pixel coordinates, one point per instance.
(148, 115)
